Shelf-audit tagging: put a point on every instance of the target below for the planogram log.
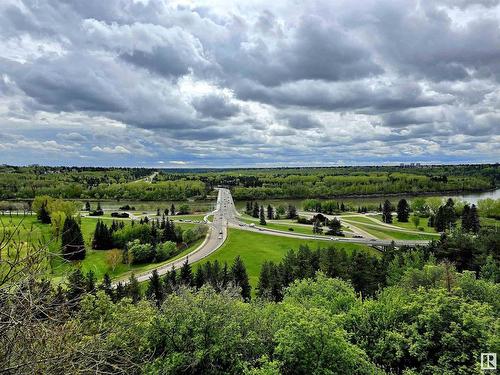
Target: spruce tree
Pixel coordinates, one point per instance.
(186, 275)
(107, 287)
(90, 280)
(133, 289)
(199, 278)
(317, 228)
(225, 276)
(120, 292)
(73, 246)
(75, 286)
(43, 215)
(292, 212)
(403, 210)
(475, 225)
(449, 214)
(387, 212)
(270, 212)
(466, 219)
(255, 210)
(264, 284)
(172, 210)
(262, 217)
(87, 206)
(155, 289)
(240, 278)
(215, 280)
(440, 220)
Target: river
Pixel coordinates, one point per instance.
(471, 198)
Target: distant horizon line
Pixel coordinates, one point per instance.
(186, 167)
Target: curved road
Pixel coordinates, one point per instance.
(225, 215)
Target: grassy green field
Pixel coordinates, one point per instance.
(384, 233)
(255, 248)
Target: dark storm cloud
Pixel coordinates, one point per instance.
(301, 121)
(70, 84)
(215, 106)
(402, 75)
(343, 96)
(316, 49)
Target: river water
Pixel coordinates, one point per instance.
(471, 198)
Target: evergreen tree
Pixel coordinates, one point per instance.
(99, 206)
(75, 286)
(43, 215)
(249, 208)
(87, 206)
(107, 287)
(255, 210)
(475, 225)
(466, 219)
(292, 212)
(102, 239)
(172, 277)
(158, 212)
(172, 210)
(169, 233)
(133, 289)
(262, 217)
(403, 211)
(387, 212)
(440, 220)
(154, 234)
(120, 292)
(155, 289)
(342, 207)
(264, 284)
(240, 278)
(90, 281)
(186, 275)
(199, 278)
(215, 279)
(73, 246)
(317, 228)
(225, 276)
(270, 212)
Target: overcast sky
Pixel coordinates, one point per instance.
(252, 83)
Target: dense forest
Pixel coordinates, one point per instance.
(93, 183)
(246, 184)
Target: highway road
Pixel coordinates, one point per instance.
(225, 215)
(217, 234)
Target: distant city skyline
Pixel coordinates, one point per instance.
(204, 84)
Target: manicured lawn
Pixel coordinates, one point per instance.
(388, 234)
(255, 248)
(187, 217)
(283, 227)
